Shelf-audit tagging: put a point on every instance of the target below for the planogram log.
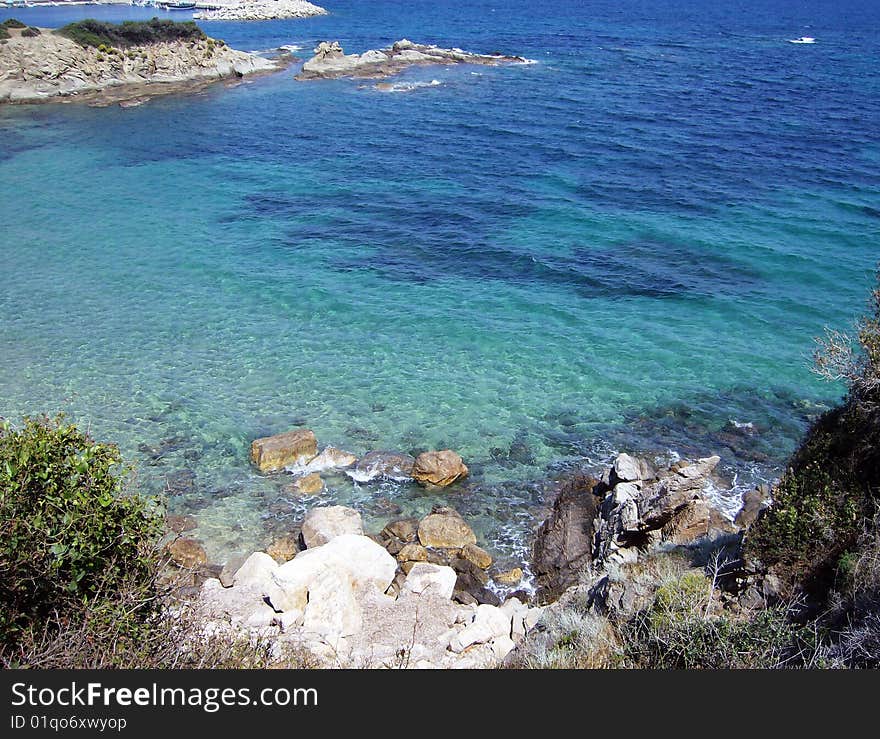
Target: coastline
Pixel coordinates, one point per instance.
(50, 68)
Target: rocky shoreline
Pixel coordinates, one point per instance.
(261, 10)
(331, 62)
(421, 592)
(51, 68)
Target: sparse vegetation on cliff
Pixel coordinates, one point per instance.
(828, 497)
(94, 33)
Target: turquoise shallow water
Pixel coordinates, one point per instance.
(628, 245)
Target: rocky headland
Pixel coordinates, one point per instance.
(331, 62)
(261, 10)
(47, 66)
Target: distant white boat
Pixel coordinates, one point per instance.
(802, 40)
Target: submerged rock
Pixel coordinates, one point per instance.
(329, 459)
(187, 553)
(379, 464)
(323, 524)
(181, 482)
(180, 523)
(309, 485)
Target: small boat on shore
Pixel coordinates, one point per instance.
(177, 6)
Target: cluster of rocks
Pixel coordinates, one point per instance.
(331, 62)
(444, 538)
(632, 509)
(260, 10)
(48, 66)
(599, 530)
(297, 452)
(422, 593)
(350, 603)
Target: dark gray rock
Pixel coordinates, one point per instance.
(564, 542)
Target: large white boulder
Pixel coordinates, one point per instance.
(435, 579)
(323, 524)
(255, 571)
(363, 563)
(627, 468)
(332, 610)
(243, 605)
(489, 623)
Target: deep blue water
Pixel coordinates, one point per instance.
(627, 245)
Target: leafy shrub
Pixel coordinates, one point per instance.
(30, 32)
(69, 532)
(13, 23)
(92, 32)
(84, 581)
(4, 34)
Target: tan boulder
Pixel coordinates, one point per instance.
(284, 548)
(688, 524)
(273, 453)
(405, 529)
(187, 553)
(444, 528)
(509, 577)
(412, 553)
(439, 468)
(480, 557)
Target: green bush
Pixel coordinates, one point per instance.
(30, 32)
(4, 34)
(92, 32)
(69, 532)
(13, 23)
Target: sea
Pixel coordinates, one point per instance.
(629, 243)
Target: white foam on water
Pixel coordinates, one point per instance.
(406, 86)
